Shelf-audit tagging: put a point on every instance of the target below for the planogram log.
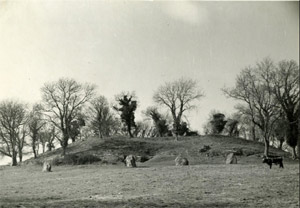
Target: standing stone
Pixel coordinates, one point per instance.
(46, 167)
(130, 161)
(231, 159)
(181, 161)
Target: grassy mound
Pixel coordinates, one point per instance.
(158, 151)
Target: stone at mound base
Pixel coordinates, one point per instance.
(231, 159)
(181, 161)
(130, 161)
(46, 167)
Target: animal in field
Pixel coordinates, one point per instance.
(275, 160)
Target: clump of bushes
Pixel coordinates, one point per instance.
(238, 151)
(74, 159)
(213, 153)
(205, 148)
(87, 159)
(142, 158)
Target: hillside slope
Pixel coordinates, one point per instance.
(161, 151)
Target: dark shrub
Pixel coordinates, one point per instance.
(142, 158)
(87, 159)
(213, 153)
(70, 159)
(205, 148)
(57, 161)
(218, 123)
(238, 151)
(73, 159)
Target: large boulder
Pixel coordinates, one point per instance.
(181, 161)
(231, 158)
(46, 167)
(130, 161)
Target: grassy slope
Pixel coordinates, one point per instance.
(164, 150)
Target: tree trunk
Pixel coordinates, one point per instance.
(292, 138)
(64, 151)
(20, 156)
(298, 144)
(49, 146)
(176, 126)
(143, 133)
(294, 154)
(64, 143)
(14, 159)
(267, 145)
(73, 139)
(129, 131)
(253, 133)
(34, 151)
(298, 135)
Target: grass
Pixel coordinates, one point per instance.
(216, 185)
(207, 182)
(163, 150)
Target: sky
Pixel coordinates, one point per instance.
(138, 46)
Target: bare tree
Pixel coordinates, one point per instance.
(76, 125)
(141, 129)
(12, 119)
(241, 125)
(21, 135)
(159, 122)
(280, 132)
(286, 89)
(47, 137)
(246, 119)
(253, 86)
(63, 100)
(103, 121)
(35, 123)
(178, 96)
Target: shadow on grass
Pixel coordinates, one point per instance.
(142, 166)
(112, 204)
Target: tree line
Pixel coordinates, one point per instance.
(69, 110)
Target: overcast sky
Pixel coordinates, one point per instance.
(137, 46)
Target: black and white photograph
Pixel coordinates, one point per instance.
(145, 104)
